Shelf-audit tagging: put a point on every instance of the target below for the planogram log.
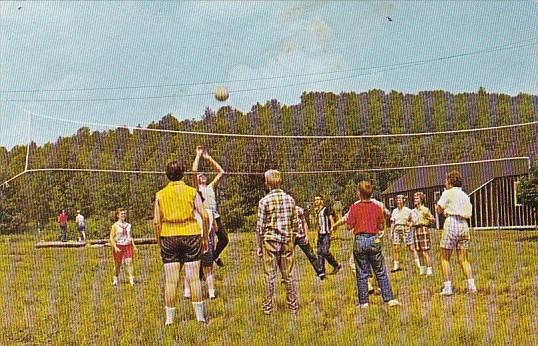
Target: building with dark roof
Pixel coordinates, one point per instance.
(492, 187)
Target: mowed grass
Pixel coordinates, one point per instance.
(65, 296)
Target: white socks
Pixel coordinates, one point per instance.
(396, 265)
(212, 293)
(471, 285)
(429, 271)
(417, 262)
(170, 313)
(115, 281)
(131, 280)
(199, 311)
(422, 270)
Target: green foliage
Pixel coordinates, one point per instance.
(528, 188)
(36, 197)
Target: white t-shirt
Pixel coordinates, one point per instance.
(400, 217)
(80, 220)
(456, 202)
(123, 233)
(210, 199)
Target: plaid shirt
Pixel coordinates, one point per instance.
(277, 217)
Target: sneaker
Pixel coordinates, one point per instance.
(395, 269)
(212, 294)
(429, 271)
(446, 291)
(115, 281)
(393, 302)
(186, 295)
(267, 312)
(131, 281)
(472, 290)
(321, 276)
(336, 269)
(219, 262)
(422, 270)
(363, 306)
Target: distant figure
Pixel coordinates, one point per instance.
(325, 220)
(123, 244)
(276, 227)
(367, 221)
(421, 217)
(389, 19)
(62, 220)
(456, 206)
(180, 238)
(81, 226)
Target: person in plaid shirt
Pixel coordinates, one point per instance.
(276, 228)
(421, 217)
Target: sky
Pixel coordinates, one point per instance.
(143, 60)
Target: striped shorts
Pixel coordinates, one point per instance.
(402, 233)
(455, 233)
(422, 237)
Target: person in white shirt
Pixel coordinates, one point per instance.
(456, 206)
(207, 191)
(81, 226)
(400, 225)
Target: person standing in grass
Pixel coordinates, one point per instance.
(367, 221)
(276, 228)
(325, 220)
(62, 221)
(81, 226)
(402, 232)
(208, 193)
(421, 217)
(180, 239)
(123, 245)
(302, 241)
(456, 206)
(210, 204)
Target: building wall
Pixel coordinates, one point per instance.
(494, 204)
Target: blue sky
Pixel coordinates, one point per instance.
(74, 45)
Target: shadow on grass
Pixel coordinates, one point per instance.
(532, 238)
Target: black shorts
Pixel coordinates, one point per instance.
(181, 248)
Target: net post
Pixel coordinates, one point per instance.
(29, 140)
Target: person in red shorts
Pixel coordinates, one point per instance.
(123, 244)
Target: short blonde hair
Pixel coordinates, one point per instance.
(273, 178)
(365, 189)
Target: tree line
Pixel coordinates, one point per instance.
(37, 197)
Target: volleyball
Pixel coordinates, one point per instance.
(221, 94)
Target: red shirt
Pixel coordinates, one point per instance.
(62, 218)
(365, 217)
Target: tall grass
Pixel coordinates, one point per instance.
(65, 296)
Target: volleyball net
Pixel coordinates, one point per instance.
(99, 166)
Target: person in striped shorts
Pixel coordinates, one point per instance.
(456, 206)
(421, 217)
(401, 231)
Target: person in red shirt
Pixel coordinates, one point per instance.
(62, 220)
(367, 222)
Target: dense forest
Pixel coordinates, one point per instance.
(37, 196)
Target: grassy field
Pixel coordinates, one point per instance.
(65, 296)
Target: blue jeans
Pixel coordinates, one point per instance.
(324, 253)
(368, 257)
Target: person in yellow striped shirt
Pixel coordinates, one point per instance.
(180, 238)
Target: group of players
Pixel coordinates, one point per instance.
(189, 233)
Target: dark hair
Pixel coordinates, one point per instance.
(175, 170)
(118, 212)
(365, 189)
(454, 178)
